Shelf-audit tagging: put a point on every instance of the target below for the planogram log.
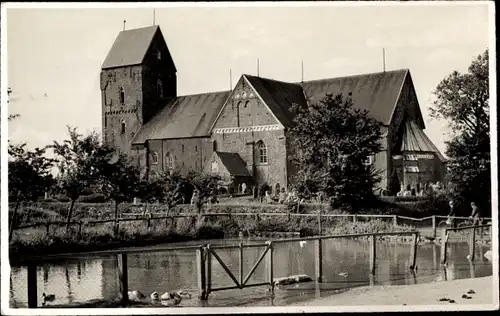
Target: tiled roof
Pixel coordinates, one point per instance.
(184, 116)
(375, 92)
(415, 139)
(130, 47)
(279, 96)
(234, 164)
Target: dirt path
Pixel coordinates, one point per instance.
(419, 294)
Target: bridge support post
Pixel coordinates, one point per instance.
(318, 260)
(208, 277)
(241, 265)
(201, 273)
(123, 277)
(373, 254)
(444, 241)
(413, 253)
(270, 265)
(472, 244)
(319, 223)
(32, 291)
(434, 226)
(395, 220)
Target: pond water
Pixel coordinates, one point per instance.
(88, 278)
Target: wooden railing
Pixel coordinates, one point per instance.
(472, 240)
(204, 259)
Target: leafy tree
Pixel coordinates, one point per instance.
(80, 160)
(204, 186)
(463, 100)
(29, 175)
(168, 189)
(120, 180)
(331, 141)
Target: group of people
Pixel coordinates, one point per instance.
(475, 215)
(420, 189)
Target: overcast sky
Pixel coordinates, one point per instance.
(55, 55)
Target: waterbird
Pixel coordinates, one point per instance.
(302, 243)
(47, 298)
(135, 295)
(155, 296)
(184, 294)
(471, 292)
(170, 298)
(344, 274)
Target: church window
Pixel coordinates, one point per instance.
(122, 95)
(262, 153)
(158, 56)
(105, 122)
(247, 103)
(154, 158)
(159, 89)
(368, 160)
(411, 169)
(195, 148)
(214, 145)
(122, 127)
(182, 148)
(169, 161)
(215, 167)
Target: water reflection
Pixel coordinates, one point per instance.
(346, 264)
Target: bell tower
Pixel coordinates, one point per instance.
(138, 78)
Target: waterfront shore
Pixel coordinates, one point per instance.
(418, 294)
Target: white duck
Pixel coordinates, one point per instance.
(343, 274)
(135, 296)
(155, 296)
(170, 299)
(47, 298)
(302, 243)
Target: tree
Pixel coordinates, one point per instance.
(463, 100)
(331, 141)
(204, 186)
(80, 161)
(29, 175)
(120, 180)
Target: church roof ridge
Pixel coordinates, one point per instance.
(358, 75)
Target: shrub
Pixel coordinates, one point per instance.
(92, 198)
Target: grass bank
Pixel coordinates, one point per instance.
(36, 241)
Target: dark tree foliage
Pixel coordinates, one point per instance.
(463, 100)
(169, 189)
(331, 140)
(29, 175)
(204, 185)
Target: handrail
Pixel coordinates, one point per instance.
(342, 236)
(468, 227)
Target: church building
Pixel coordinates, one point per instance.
(242, 134)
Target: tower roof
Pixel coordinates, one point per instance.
(130, 47)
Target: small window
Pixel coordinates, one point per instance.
(182, 148)
(105, 122)
(154, 158)
(411, 169)
(214, 145)
(263, 153)
(247, 103)
(169, 161)
(411, 157)
(158, 55)
(122, 124)
(195, 148)
(159, 89)
(215, 167)
(122, 95)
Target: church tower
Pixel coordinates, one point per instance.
(138, 78)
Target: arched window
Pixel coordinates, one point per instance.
(159, 89)
(214, 145)
(122, 95)
(122, 125)
(158, 55)
(247, 103)
(215, 167)
(195, 148)
(182, 148)
(262, 153)
(154, 158)
(169, 161)
(105, 122)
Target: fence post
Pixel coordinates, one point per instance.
(373, 254)
(241, 265)
(201, 273)
(472, 244)
(47, 226)
(270, 264)
(32, 293)
(209, 271)
(149, 221)
(318, 260)
(434, 226)
(444, 240)
(413, 253)
(123, 277)
(354, 218)
(395, 220)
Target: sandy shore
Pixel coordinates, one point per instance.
(418, 294)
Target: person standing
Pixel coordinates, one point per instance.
(475, 216)
(451, 221)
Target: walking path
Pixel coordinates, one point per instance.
(419, 294)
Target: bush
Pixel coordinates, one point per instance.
(92, 198)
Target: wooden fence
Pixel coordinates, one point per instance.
(205, 255)
(472, 240)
